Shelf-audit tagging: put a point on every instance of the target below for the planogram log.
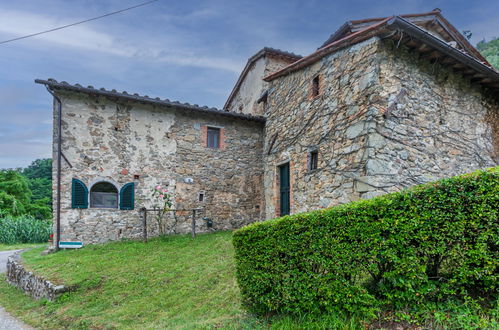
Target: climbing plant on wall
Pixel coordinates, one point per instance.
(163, 204)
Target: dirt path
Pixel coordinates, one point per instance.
(8, 322)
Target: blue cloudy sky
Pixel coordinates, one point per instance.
(190, 51)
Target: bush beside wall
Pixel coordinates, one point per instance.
(429, 243)
(24, 229)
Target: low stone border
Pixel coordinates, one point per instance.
(33, 285)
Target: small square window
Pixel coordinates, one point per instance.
(213, 138)
(315, 87)
(201, 197)
(313, 160)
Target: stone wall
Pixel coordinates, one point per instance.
(231, 178)
(35, 286)
(121, 142)
(334, 123)
(431, 123)
(383, 120)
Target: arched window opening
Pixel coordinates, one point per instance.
(104, 195)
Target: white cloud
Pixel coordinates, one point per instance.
(15, 23)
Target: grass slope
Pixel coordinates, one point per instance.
(169, 282)
(176, 282)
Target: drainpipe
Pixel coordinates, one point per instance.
(59, 153)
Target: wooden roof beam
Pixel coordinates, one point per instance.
(433, 55)
(424, 48)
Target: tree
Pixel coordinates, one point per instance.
(39, 175)
(40, 168)
(15, 195)
(30, 194)
(490, 50)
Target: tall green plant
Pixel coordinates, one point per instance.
(15, 194)
(24, 229)
(39, 175)
(428, 243)
(16, 197)
(162, 203)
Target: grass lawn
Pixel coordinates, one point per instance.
(169, 283)
(6, 247)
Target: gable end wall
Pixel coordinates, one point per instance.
(432, 123)
(384, 120)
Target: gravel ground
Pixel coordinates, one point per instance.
(8, 322)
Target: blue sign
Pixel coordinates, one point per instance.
(70, 245)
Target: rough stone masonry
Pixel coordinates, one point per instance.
(383, 104)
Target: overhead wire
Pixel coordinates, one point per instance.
(80, 22)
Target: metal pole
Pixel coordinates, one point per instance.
(193, 223)
(59, 173)
(144, 224)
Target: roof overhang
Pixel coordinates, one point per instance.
(435, 49)
(414, 37)
(113, 94)
(433, 20)
(367, 33)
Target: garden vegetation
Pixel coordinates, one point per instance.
(424, 246)
(26, 203)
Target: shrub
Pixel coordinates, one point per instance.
(24, 229)
(427, 243)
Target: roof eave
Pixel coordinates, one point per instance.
(460, 38)
(398, 23)
(147, 100)
(318, 54)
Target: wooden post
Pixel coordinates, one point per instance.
(193, 223)
(144, 224)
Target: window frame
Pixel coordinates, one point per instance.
(313, 160)
(212, 129)
(91, 193)
(316, 87)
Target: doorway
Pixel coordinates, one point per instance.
(284, 189)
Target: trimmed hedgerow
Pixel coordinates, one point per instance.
(428, 243)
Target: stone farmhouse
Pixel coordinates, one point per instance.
(383, 104)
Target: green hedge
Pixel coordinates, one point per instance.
(429, 243)
(24, 229)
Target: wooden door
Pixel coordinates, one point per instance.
(284, 189)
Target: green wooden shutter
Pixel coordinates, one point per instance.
(127, 196)
(79, 195)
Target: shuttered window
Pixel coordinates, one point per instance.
(104, 195)
(127, 196)
(79, 195)
(213, 138)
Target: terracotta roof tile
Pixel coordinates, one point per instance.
(54, 84)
